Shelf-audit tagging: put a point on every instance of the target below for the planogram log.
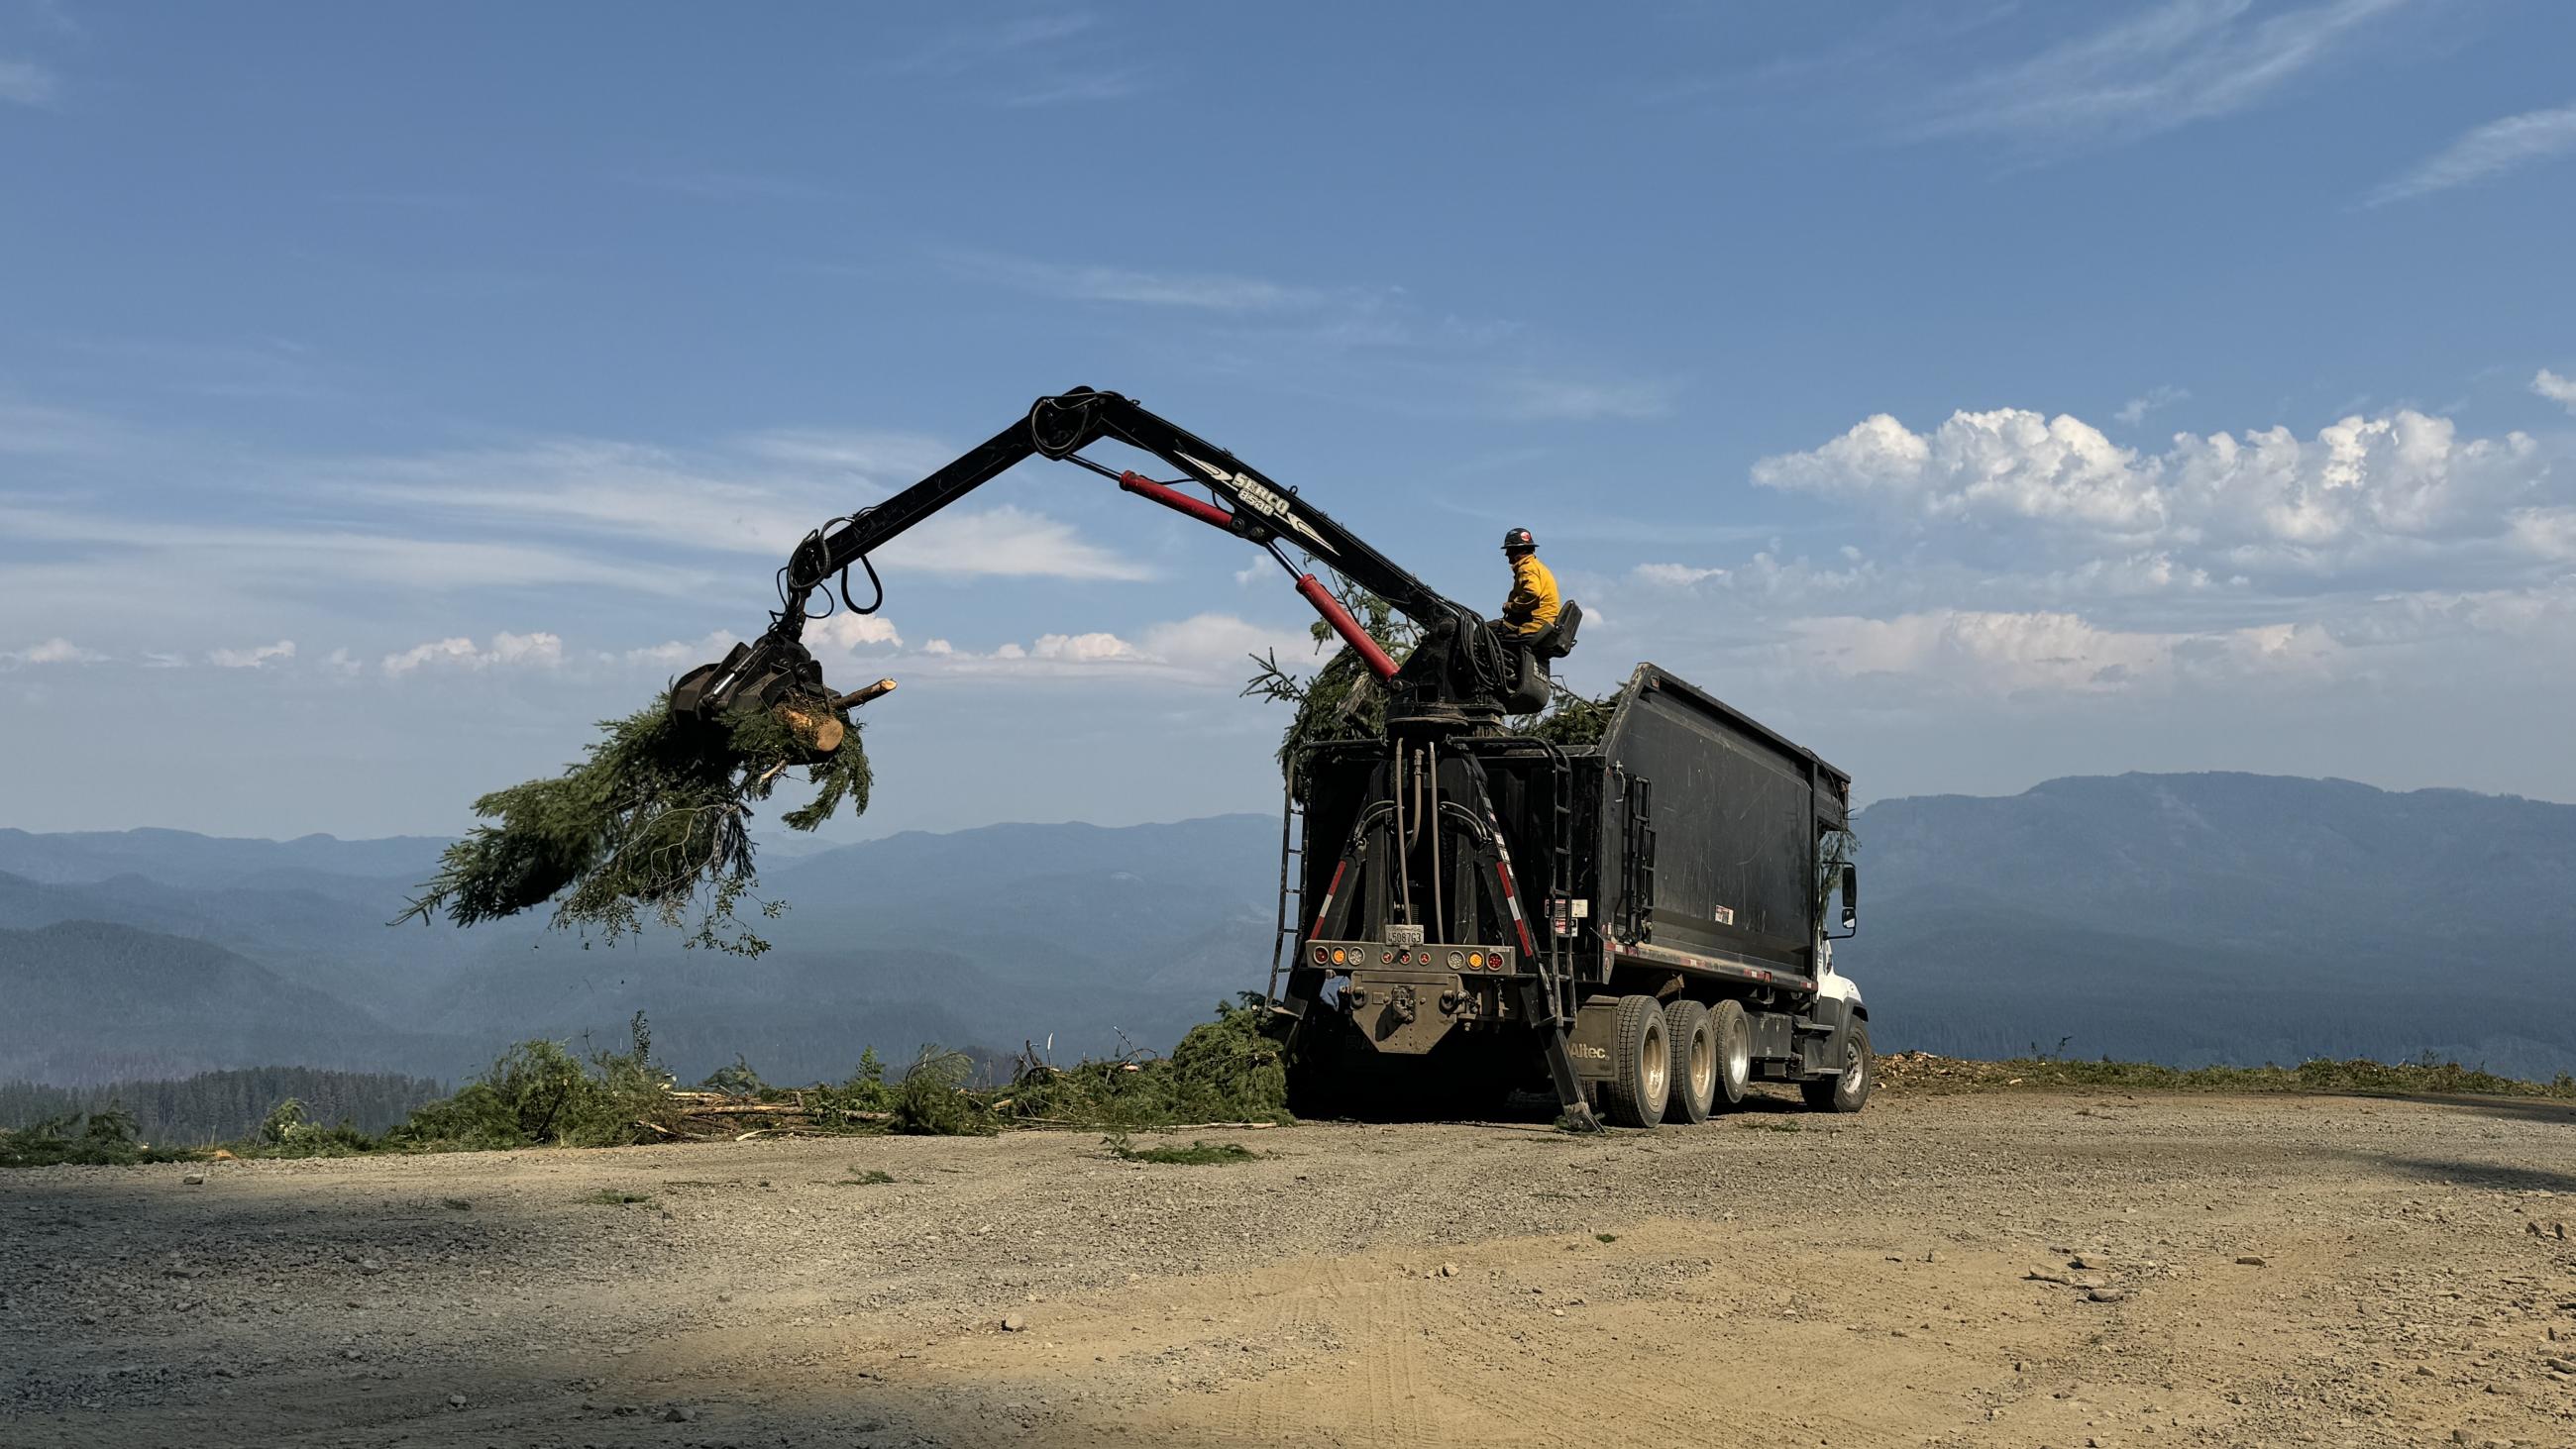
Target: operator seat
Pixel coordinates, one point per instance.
(1530, 659)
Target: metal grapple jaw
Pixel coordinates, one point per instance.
(757, 676)
(778, 676)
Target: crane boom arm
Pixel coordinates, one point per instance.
(1457, 666)
(1060, 427)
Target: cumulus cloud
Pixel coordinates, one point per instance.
(2360, 487)
(255, 657)
(855, 632)
(51, 651)
(2560, 390)
(507, 651)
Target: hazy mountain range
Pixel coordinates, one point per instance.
(2185, 918)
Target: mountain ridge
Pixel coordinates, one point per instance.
(2184, 917)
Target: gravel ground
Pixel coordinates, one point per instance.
(2017, 1268)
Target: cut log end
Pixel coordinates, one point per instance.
(819, 728)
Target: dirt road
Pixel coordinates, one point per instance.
(2253, 1271)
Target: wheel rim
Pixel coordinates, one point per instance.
(1739, 1062)
(1656, 1075)
(1854, 1066)
(1703, 1064)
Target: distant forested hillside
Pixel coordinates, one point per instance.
(2224, 918)
(225, 1106)
(2178, 918)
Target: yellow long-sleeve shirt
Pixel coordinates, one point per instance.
(1532, 604)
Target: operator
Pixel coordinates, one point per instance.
(1532, 604)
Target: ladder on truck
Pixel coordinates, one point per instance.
(1292, 883)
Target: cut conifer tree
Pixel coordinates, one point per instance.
(654, 823)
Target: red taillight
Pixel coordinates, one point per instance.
(1319, 956)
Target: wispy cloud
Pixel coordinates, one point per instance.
(1579, 400)
(2487, 152)
(256, 657)
(1202, 291)
(706, 185)
(2154, 399)
(955, 51)
(2176, 64)
(1069, 89)
(26, 83)
(1036, 60)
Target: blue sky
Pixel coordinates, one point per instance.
(1981, 393)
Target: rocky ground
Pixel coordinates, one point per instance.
(2011, 1268)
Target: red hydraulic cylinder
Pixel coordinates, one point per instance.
(1177, 501)
(1343, 624)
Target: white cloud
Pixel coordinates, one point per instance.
(1578, 400)
(51, 651)
(855, 631)
(2154, 399)
(1200, 291)
(2005, 463)
(613, 491)
(1006, 541)
(2548, 532)
(252, 658)
(678, 653)
(2403, 484)
(1673, 575)
(507, 651)
(2489, 151)
(2048, 652)
(1084, 648)
(2560, 390)
(2169, 66)
(1202, 650)
(26, 83)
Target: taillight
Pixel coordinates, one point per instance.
(1341, 957)
(1319, 955)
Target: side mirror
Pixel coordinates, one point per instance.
(1851, 896)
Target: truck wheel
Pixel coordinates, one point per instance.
(1848, 1089)
(1641, 1066)
(1731, 1032)
(1694, 1062)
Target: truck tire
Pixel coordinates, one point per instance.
(1641, 1065)
(1694, 1047)
(1731, 1032)
(1846, 1090)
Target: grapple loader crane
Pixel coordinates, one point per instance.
(1681, 863)
(1462, 676)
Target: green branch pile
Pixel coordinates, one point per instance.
(653, 824)
(1344, 701)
